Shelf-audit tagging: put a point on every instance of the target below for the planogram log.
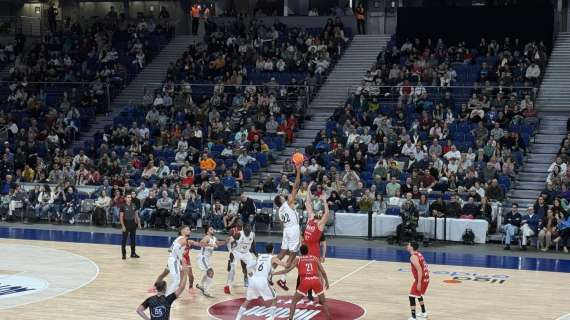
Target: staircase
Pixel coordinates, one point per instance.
(154, 73)
(553, 104)
(347, 73)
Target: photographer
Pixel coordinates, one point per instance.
(410, 217)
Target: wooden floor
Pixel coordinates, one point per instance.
(380, 287)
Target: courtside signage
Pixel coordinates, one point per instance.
(227, 310)
(468, 276)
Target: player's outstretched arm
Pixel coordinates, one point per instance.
(309, 202)
(192, 243)
(278, 261)
(325, 217)
(287, 268)
(293, 195)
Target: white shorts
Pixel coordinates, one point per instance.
(174, 268)
(204, 262)
(259, 287)
(291, 238)
(247, 258)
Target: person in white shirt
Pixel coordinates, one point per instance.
(291, 230)
(408, 148)
(452, 154)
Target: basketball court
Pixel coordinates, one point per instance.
(81, 280)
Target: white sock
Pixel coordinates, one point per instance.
(203, 282)
(231, 274)
(240, 312)
(283, 278)
(208, 284)
(272, 311)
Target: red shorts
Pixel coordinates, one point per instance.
(414, 290)
(186, 258)
(311, 283)
(314, 249)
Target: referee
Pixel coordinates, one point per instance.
(159, 304)
(130, 220)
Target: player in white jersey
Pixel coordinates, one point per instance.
(291, 230)
(259, 285)
(177, 260)
(209, 244)
(242, 251)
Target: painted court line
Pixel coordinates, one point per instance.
(351, 273)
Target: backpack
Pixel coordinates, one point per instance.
(468, 237)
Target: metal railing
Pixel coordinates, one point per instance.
(29, 26)
(412, 93)
(303, 91)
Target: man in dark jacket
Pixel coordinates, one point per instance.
(247, 209)
(512, 224)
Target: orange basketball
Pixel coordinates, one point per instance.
(298, 159)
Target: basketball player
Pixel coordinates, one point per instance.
(313, 234)
(241, 245)
(209, 243)
(420, 271)
(291, 230)
(160, 303)
(179, 257)
(259, 285)
(311, 271)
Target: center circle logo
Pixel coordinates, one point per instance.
(16, 285)
(258, 310)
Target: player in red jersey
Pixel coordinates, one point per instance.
(315, 224)
(310, 271)
(313, 236)
(420, 271)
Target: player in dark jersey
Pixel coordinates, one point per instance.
(311, 272)
(159, 304)
(420, 272)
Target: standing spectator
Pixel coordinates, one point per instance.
(530, 224)
(247, 210)
(129, 218)
(52, 16)
(195, 14)
(512, 224)
(359, 14)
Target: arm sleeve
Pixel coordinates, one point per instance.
(145, 303)
(171, 297)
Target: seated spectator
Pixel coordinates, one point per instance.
(511, 225)
(470, 209)
(438, 208)
(547, 229)
(207, 163)
(530, 224)
(102, 205)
